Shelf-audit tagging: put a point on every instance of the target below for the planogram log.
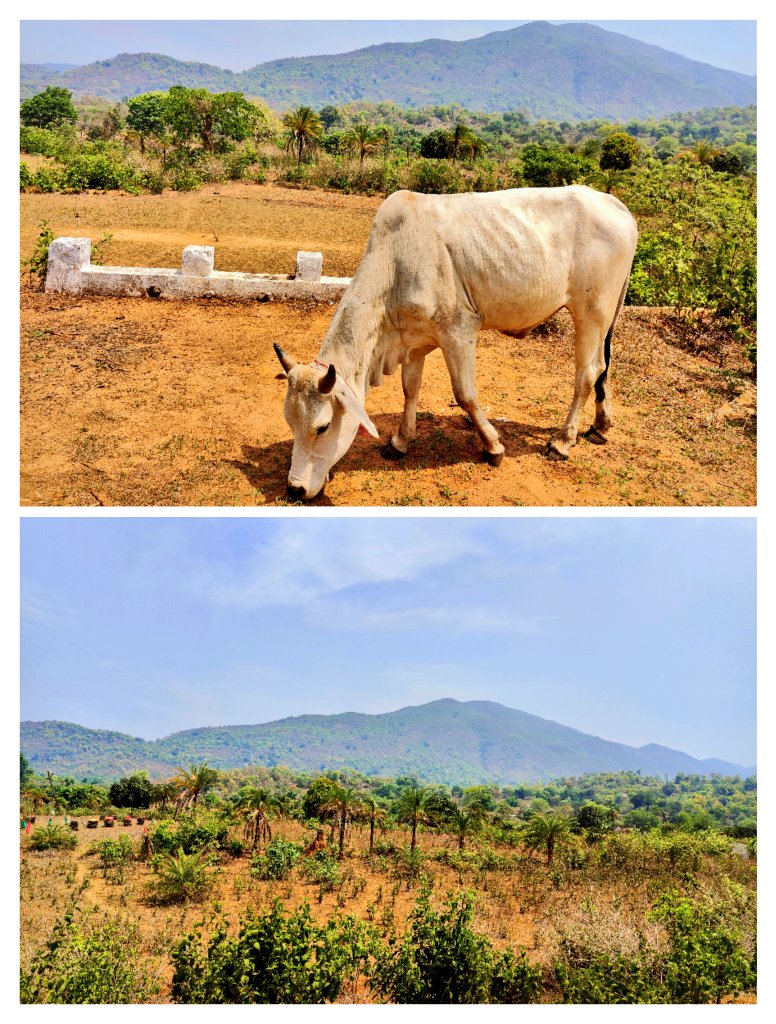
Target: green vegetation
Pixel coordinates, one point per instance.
(81, 964)
(444, 741)
(181, 877)
(52, 837)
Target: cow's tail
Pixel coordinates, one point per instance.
(599, 384)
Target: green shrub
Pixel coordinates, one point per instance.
(278, 957)
(87, 965)
(323, 869)
(53, 837)
(37, 264)
(192, 833)
(99, 171)
(115, 854)
(181, 877)
(441, 960)
(184, 179)
(277, 861)
(48, 179)
(435, 176)
(25, 176)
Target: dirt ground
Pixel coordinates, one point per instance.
(155, 402)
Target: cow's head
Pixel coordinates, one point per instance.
(324, 413)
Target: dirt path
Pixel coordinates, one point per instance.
(150, 402)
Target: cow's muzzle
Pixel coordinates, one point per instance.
(296, 493)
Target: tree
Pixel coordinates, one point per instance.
(215, 120)
(256, 804)
(329, 116)
(619, 151)
(463, 823)
(135, 791)
(25, 772)
(48, 109)
(552, 165)
(320, 792)
(360, 139)
(147, 116)
(343, 806)
(666, 147)
(607, 181)
(375, 815)
(412, 809)
(544, 832)
(304, 131)
(465, 143)
(437, 145)
(197, 780)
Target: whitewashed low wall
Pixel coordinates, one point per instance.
(70, 270)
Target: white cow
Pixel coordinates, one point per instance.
(436, 270)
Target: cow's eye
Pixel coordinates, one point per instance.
(323, 429)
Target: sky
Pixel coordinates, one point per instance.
(635, 630)
(240, 44)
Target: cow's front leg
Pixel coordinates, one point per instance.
(411, 376)
(460, 359)
(590, 367)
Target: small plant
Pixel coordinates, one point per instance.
(37, 264)
(181, 877)
(53, 837)
(114, 855)
(277, 861)
(98, 249)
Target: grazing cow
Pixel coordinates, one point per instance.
(436, 270)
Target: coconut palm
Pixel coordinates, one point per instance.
(465, 143)
(412, 809)
(544, 832)
(195, 781)
(305, 131)
(256, 804)
(164, 793)
(343, 806)
(606, 181)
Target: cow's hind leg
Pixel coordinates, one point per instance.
(460, 359)
(411, 376)
(603, 418)
(591, 367)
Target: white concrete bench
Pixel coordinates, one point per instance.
(70, 270)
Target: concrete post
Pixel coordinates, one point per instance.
(67, 257)
(309, 266)
(198, 260)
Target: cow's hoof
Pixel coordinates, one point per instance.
(389, 452)
(493, 459)
(552, 453)
(594, 437)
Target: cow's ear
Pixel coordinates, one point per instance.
(351, 404)
(328, 380)
(286, 361)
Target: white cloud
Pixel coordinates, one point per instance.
(349, 617)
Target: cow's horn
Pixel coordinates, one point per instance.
(286, 361)
(328, 380)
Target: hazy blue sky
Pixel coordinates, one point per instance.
(635, 630)
(238, 45)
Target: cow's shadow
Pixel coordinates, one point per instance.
(441, 441)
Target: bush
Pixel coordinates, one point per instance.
(323, 869)
(277, 861)
(441, 960)
(181, 877)
(53, 837)
(99, 171)
(115, 854)
(191, 834)
(37, 264)
(25, 177)
(278, 957)
(48, 179)
(184, 179)
(95, 965)
(435, 177)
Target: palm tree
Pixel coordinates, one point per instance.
(544, 832)
(360, 139)
(164, 793)
(305, 131)
(606, 180)
(37, 797)
(412, 809)
(465, 822)
(256, 803)
(375, 815)
(704, 153)
(343, 806)
(465, 142)
(198, 779)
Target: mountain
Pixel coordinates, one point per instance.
(444, 741)
(573, 71)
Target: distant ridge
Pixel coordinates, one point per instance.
(572, 71)
(444, 741)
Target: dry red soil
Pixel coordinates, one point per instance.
(154, 402)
